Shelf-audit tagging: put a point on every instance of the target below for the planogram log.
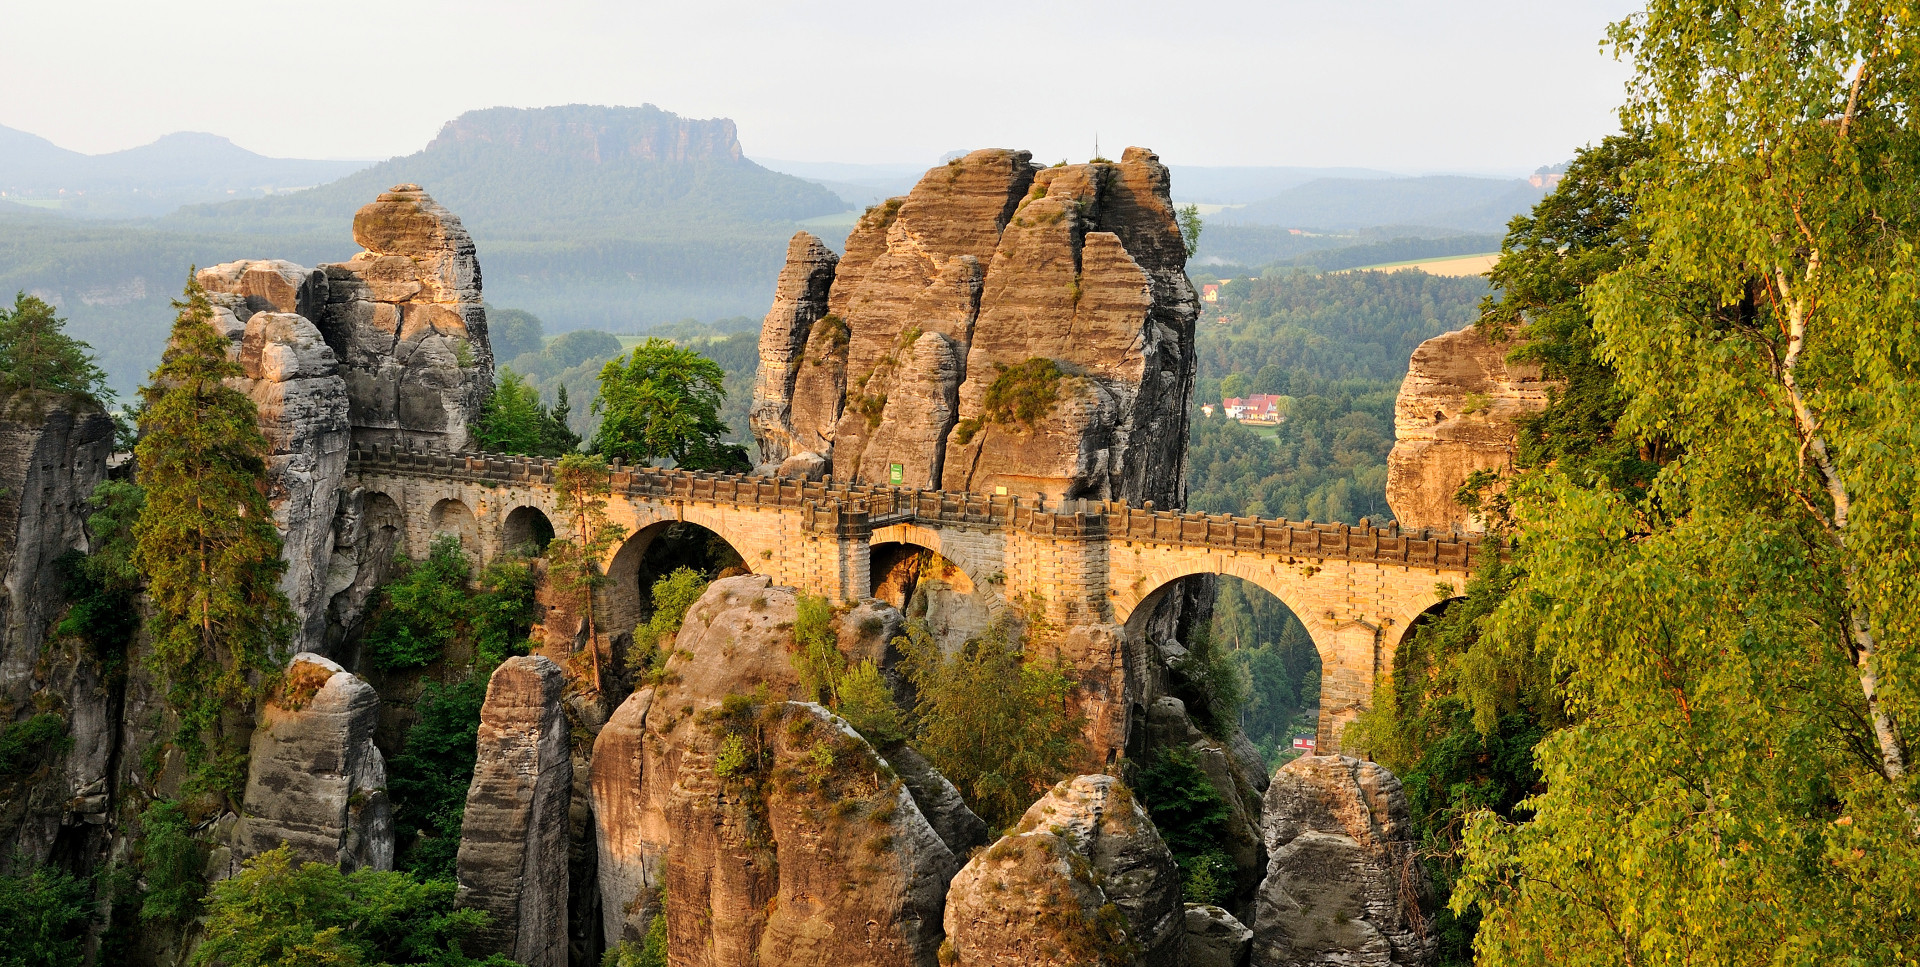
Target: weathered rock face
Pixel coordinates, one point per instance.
(53, 452)
(1215, 938)
(293, 378)
(799, 300)
(405, 318)
(778, 832)
(1084, 876)
(1338, 889)
(1003, 262)
(513, 842)
(315, 780)
(1455, 416)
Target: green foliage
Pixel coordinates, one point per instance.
(36, 354)
(1192, 818)
(1733, 637)
(865, 700)
(172, 865)
(1002, 729)
(421, 611)
(511, 332)
(1211, 683)
(24, 745)
(43, 919)
(1278, 664)
(816, 649)
(1327, 462)
(276, 912)
(650, 952)
(662, 402)
(430, 612)
(1019, 394)
(513, 420)
(672, 596)
(1351, 325)
(1189, 219)
(581, 485)
(207, 543)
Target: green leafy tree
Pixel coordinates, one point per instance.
(278, 912)
(422, 611)
(672, 596)
(582, 484)
(1001, 728)
(43, 919)
(1735, 644)
(662, 402)
(514, 332)
(172, 865)
(36, 354)
(1189, 218)
(865, 700)
(207, 543)
(513, 420)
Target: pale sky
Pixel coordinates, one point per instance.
(1407, 85)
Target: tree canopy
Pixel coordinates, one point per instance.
(513, 420)
(36, 354)
(662, 402)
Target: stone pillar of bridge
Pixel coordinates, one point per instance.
(1058, 569)
(1351, 659)
(835, 558)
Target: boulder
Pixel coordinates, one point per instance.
(1215, 938)
(1340, 885)
(513, 843)
(938, 800)
(1455, 416)
(799, 300)
(1083, 878)
(315, 781)
(406, 319)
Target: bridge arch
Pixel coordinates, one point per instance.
(451, 515)
(526, 526)
(654, 551)
(961, 595)
(1356, 621)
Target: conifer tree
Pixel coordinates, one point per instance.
(582, 484)
(36, 354)
(207, 542)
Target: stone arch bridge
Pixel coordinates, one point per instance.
(1357, 589)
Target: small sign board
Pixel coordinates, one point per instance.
(1303, 743)
(896, 473)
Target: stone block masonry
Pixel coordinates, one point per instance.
(1062, 566)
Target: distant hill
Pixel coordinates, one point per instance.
(178, 169)
(1441, 201)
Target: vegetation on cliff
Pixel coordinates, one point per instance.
(37, 355)
(206, 540)
(513, 420)
(279, 911)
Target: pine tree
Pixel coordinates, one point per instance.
(207, 542)
(37, 355)
(582, 484)
(560, 438)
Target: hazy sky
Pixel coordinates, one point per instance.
(1408, 85)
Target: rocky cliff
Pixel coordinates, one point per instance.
(53, 452)
(1455, 416)
(1341, 885)
(1002, 326)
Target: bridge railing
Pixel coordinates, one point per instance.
(882, 505)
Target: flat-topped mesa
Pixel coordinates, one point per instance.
(406, 318)
(1456, 416)
(995, 283)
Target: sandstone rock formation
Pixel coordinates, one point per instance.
(315, 781)
(992, 261)
(1339, 886)
(799, 300)
(1455, 416)
(513, 842)
(1083, 878)
(406, 319)
(53, 452)
(781, 835)
(1215, 938)
(293, 378)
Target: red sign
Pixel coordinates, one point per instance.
(1304, 743)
